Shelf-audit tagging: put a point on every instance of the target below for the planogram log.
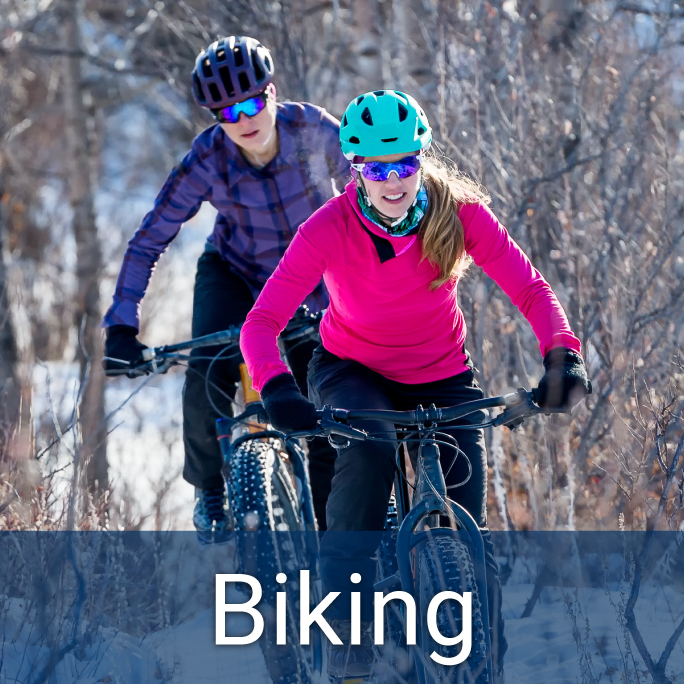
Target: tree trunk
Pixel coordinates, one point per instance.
(399, 56)
(93, 453)
(10, 386)
(13, 435)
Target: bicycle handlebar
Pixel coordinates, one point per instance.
(160, 359)
(421, 415)
(229, 336)
(517, 406)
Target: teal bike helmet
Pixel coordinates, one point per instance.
(384, 122)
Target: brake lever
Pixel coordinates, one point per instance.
(305, 434)
(332, 427)
(522, 405)
(515, 413)
(138, 372)
(156, 367)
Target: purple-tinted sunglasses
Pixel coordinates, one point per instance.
(250, 107)
(380, 171)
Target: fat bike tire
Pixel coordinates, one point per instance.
(263, 500)
(444, 563)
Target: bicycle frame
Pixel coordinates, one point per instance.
(430, 498)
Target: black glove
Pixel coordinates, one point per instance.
(121, 344)
(288, 409)
(565, 382)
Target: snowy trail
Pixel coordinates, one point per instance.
(189, 653)
(542, 649)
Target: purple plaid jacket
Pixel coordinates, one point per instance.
(259, 211)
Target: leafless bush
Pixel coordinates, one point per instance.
(568, 111)
(569, 119)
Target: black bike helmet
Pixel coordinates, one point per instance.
(230, 70)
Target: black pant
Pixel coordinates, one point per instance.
(364, 474)
(222, 299)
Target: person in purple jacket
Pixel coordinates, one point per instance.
(266, 167)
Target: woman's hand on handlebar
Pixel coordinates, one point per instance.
(565, 382)
(122, 349)
(288, 409)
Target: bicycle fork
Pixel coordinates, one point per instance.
(429, 502)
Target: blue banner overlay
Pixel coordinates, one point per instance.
(144, 608)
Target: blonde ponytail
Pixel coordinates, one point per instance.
(441, 230)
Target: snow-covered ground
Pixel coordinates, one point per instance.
(146, 449)
(145, 444)
(183, 653)
(541, 648)
(572, 635)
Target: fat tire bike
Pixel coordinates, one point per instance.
(430, 557)
(269, 493)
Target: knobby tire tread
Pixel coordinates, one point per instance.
(262, 498)
(444, 563)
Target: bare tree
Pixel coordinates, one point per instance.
(566, 111)
(88, 253)
(10, 384)
(15, 393)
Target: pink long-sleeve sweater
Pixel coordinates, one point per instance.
(384, 315)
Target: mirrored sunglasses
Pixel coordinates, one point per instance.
(249, 107)
(380, 171)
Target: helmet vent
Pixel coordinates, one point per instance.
(359, 99)
(221, 55)
(421, 130)
(224, 73)
(244, 81)
(366, 117)
(239, 58)
(258, 71)
(206, 68)
(378, 93)
(401, 95)
(198, 86)
(344, 121)
(403, 111)
(214, 92)
(354, 140)
(267, 62)
(389, 139)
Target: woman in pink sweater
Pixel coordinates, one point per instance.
(391, 250)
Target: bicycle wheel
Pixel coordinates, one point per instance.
(263, 500)
(444, 563)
